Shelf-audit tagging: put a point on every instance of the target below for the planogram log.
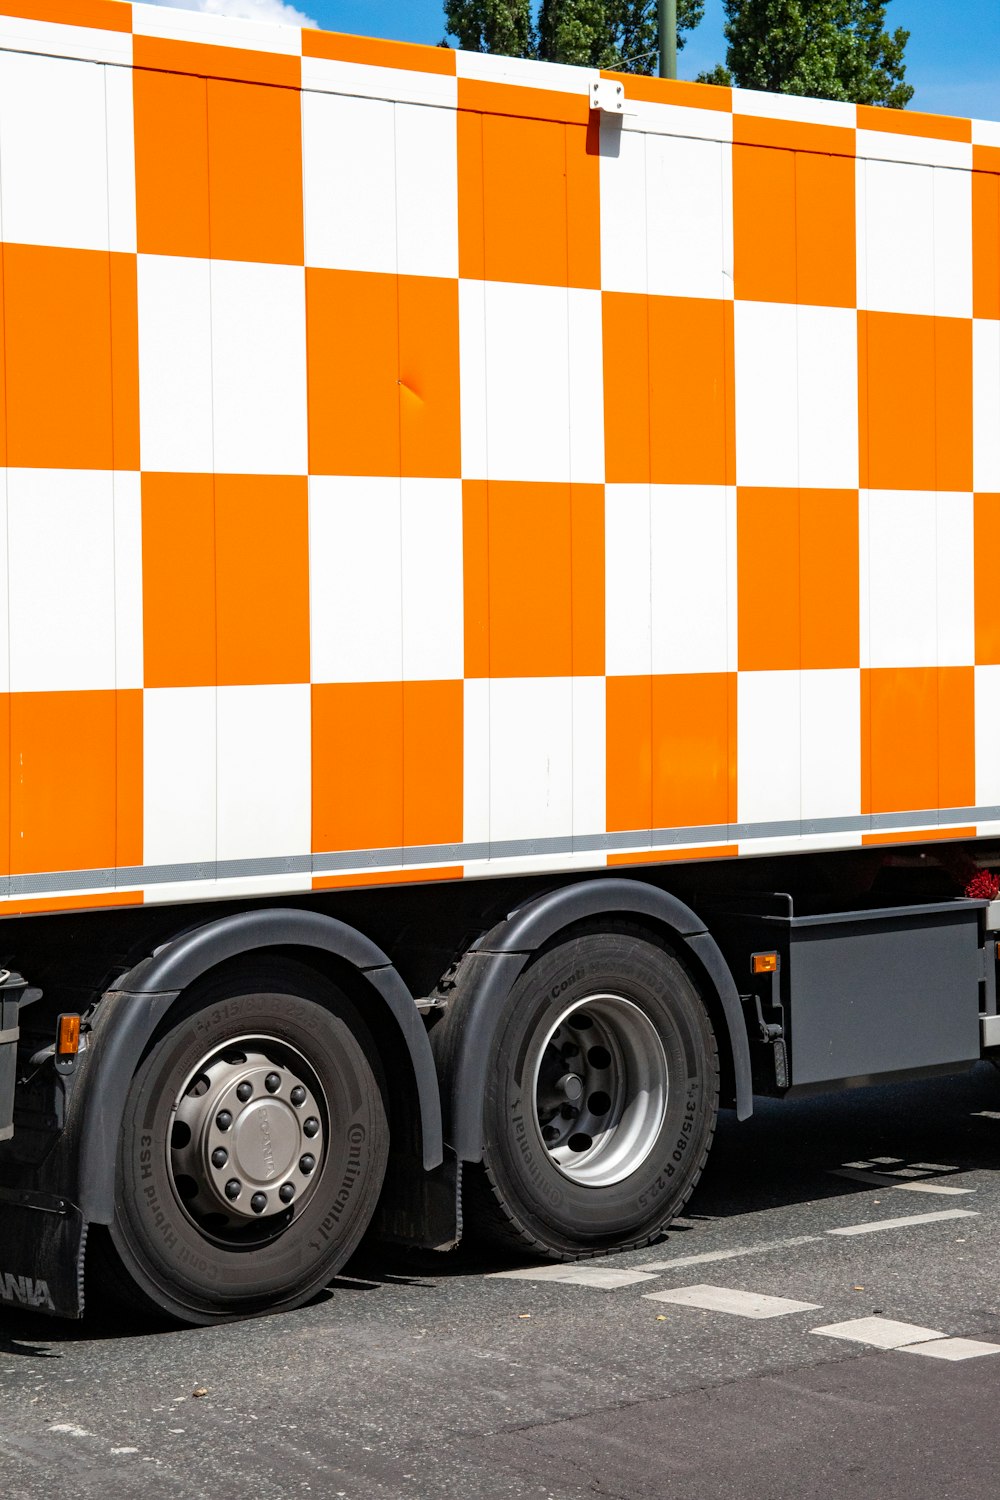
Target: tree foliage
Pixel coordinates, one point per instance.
(619, 34)
(828, 49)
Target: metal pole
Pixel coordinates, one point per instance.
(666, 21)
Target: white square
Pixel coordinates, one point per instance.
(623, 213)
(988, 736)
(426, 190)
(831, 743)
(688, 217)
(179, 772)
(693, 538)
(882, 1333)
(53, 152)
(827, 381)
(916, 579)
(259, 368)
(128, 580)
(542, 366)
(355, 595)
(767, 444)
(986, 405)
(589, 757)
(915, 239)
(348, 182)
(628, 603)
(768, 720)
(264, 771)
(175, 364)
(433, 603)
(61, 540)
(954, 1350)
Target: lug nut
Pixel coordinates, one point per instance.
(234, 1187)
(258, 1203)
(306, 1163)
(272, 1082)
(311, 1127)
(220, 1156)
(244, 1091)
(223, 1119)
(286, 1192)
(298, 1095)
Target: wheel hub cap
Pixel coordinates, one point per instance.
(247, 1136)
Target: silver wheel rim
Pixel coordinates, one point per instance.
(600, 1089)
(246, 1139)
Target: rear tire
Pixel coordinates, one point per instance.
(277, 1089)
(601, 1104)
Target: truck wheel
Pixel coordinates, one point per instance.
(602, 1102)
(252, 1150)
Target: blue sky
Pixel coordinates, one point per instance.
(953, 58)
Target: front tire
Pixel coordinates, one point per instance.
(601, 1106)
(252, 1150)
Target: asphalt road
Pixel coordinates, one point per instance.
(456, 1381)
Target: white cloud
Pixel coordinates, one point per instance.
(246, 10)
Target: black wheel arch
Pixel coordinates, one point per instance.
(463, 1040)
(130, 1016)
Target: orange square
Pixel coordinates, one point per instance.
(71, 351)
(534, 579)
(917, 738)
(430, 441)
(218, 168)
(671, 751)
(178, 543)
(915, 399)
(262, 578)
(79, 764)
(798, 581)
(255, 172)
(387, 764)
(383, 374)
(171, 163)
(529, 201)
(669, 414)
(794, 226)
(986, 521)
(986, 245)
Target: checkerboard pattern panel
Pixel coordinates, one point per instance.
(409, 471)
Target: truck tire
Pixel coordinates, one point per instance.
(251, 1154)
(601, 1105)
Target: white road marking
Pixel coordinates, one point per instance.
(70, 1429)
(724, 1299)
(883, 1333)
(607, 1278)
(884, 1180)
(986, 1114)
(123, 1450)
(877, 1224)
(711, 1255)
(953, 1349)
(941, 1188)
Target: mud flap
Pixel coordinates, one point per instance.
(42, 1241)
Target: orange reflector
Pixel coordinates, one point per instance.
(764, 963)
(68, 1036)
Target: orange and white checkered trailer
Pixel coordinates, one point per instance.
(411, 471)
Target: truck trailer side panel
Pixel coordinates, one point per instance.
(410, 469)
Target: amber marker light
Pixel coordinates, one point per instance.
(67, 1036)
(764, 963)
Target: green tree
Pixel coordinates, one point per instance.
(829, 49)
(618, 34)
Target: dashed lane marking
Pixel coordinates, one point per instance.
(712, 1255)
(953, 1349)
(908, 1222)
(882, 1180)
(606, 1278)
(726, 1300)
(882, 1333)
